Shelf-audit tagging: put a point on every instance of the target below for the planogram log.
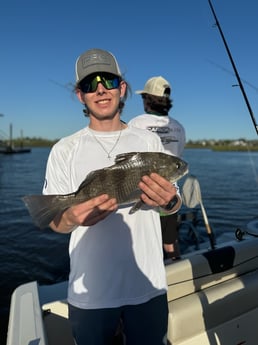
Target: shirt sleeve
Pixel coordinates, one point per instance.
(57, 173)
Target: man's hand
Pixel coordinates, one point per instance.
(157, 191)
(86, 214)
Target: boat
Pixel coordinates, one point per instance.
(10, 148)
(211, 291)
(211, 295)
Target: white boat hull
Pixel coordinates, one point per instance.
(212, 300)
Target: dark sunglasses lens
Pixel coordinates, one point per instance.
(87, 86)
(90, 85)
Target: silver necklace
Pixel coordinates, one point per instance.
(103, 147)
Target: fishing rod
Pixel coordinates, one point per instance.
(234, 67)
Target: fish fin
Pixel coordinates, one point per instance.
(136, 206)
(42, 208)
(124, 156)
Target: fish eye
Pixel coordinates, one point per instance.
(178, 165)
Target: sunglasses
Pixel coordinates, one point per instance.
(109, 81)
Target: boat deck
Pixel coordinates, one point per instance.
(211, 295)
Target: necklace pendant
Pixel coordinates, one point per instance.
(103, 147)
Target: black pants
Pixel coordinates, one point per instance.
(169, 228)
(145, 323)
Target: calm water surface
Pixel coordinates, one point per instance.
(229, 188)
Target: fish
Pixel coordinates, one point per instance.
(119, 181)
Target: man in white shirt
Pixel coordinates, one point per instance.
(157, 103)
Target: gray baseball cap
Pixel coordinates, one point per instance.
(95, 60)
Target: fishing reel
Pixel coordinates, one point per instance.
(240, 234)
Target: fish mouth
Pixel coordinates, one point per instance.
(185, 172)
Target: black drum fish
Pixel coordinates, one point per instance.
(119, 181)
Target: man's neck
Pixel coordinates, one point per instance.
(155, 113)
(106, 125)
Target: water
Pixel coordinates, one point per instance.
(26, 253)
(229, 189)
(229, 186)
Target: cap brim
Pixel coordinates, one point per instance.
(139, 92)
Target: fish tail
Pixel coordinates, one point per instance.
(42, 208)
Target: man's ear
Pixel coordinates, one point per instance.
(123, 87)
(79, 96)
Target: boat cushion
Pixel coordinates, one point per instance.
(204, 269)
(203, 315)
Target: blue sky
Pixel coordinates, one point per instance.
(41, 39)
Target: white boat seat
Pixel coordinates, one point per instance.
(198, 271)
(208, 291)
(219, 314)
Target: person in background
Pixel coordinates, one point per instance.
(116, 259)
(157, 103)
